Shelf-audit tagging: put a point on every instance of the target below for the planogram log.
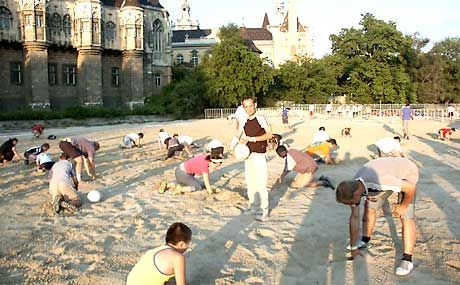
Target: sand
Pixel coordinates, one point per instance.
(302, 242)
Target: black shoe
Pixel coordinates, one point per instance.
(57, 204)
(327, 182)
(69, 207)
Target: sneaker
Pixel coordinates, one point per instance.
(69, 207)
(404, 268)
(177, 189)
(327, 182)
(263, 216)
(251, 210)
(163, 187)
(361, 245)
(57, 204)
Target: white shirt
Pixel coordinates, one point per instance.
(311, 108)
(450, 109)
(329, 107)
(214, 144)
(320, 136)
(43, 158)
(133, 136)
(162, 136)
(241, 116)
(290, 163)
(388, 145)
(185, 140)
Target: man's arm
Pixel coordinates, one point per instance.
(354, 229)
(409, 192)
(75, 182)
(179, 269)
(207, 184)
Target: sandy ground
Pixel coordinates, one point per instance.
(302, 242)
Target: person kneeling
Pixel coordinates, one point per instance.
(132, 140)
(186, 171)
(165, 263)
(304, 165)
(63, 186)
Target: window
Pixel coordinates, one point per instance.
(55, 24)
(52, 74)
(180, 59)
(194, 60)
(157, 79)
(110, 31)
(28, 20)
(67, 24)
(16, 73)
(115, 76)
(70, 74)
(38, 20)
(157, 39)
(5, 18)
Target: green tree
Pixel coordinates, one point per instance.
(371, 62)
(234, 72)
(449, 52)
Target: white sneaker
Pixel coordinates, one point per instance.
(404, 268)
(360, 245)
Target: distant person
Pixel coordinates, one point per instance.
(173, 145)
(63, 186)
(450, 112)
(44, 161)
(186, 173)
(132, 140)
(304, 165)
(32, 152)
(82, 151)
(311, 110)
(323, 152)
(389, 147)
(160, 265)
(445, 133)
(285, 117)
(329, 109)
(37, 130)
(8, 151)
(162, 137)
(320, 136)
(407, 114)
(377, 181)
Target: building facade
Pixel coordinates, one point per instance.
(282, 39)
(62, 53)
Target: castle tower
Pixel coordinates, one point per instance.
(88, 14)
(292, 28)
(185, 22)
(33, 30)
(131, 19)
(279, 12)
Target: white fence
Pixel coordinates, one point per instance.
(421, 111)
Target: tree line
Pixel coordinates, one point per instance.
(374, 63)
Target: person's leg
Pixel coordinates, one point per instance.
(78, 166)
(409, 235)
(189, 181)
(373, 202)
(260, 172)
(302, 180)
(251, 183)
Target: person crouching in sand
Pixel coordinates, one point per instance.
(64, 186)
(160, 265)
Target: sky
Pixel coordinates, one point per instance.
(435, 20)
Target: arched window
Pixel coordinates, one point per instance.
(55, 24)
(157, 79)
(179, 59)
(67, 25)
(5, 18)
(157, 39)
(110, 31)
(95, 28)
(194, 59)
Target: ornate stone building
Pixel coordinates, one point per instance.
(61, 53)
(285, 39)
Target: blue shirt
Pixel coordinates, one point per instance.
(407, 113)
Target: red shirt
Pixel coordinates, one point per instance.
(197, 165)
(446, 131)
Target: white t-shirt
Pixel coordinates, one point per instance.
(133, 136)
(43, 158)
(450, 109)
(185, 140)
(388, 145)
(329, 107)
(320, 136)
(215, 143)
(311, 108)
(162, 136)
(241, 116)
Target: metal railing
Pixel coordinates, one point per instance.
(421, 111)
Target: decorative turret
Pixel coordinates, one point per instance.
(185, 22)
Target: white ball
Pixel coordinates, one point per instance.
(94, 196)
(241, 152)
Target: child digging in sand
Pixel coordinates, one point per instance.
(159, 265)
